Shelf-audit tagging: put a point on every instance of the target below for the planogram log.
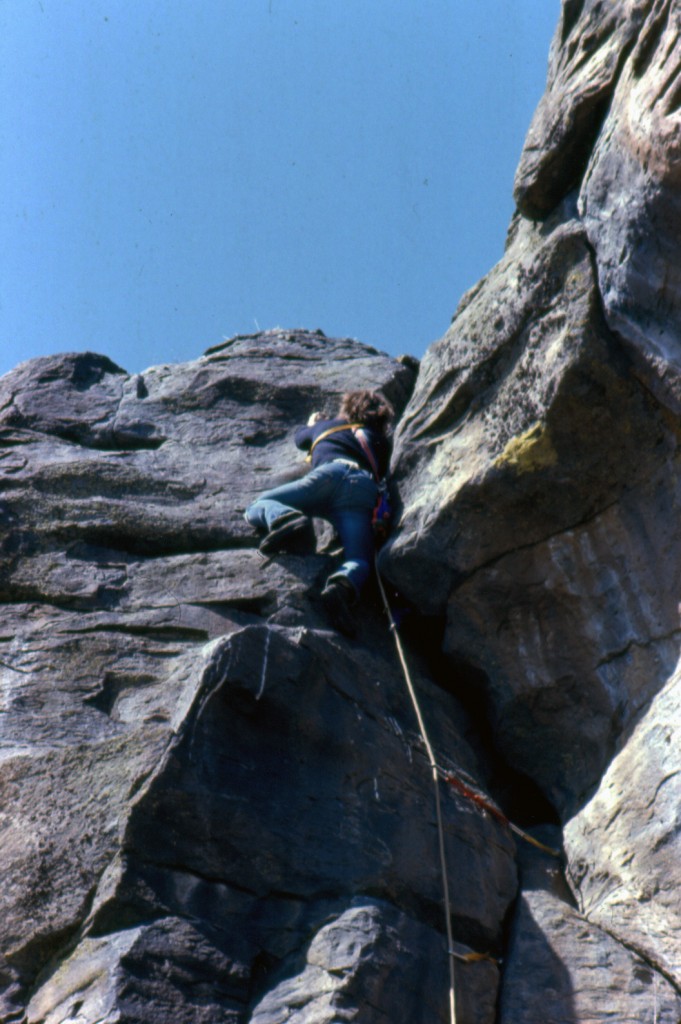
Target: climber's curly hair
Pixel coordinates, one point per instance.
(370, 408)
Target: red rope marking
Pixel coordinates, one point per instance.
(484, 805)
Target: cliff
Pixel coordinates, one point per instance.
(217, 809)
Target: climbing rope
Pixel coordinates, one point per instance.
(438, 807)
(485, 805)
(465, 791)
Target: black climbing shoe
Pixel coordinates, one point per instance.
(286, 533)
(338, 596)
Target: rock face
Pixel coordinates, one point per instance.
(608, 126)
(539, 474)
(218, 810)
(215, 808)
(563, 967)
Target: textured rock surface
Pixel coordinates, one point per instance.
(564, 968)
(214, 807)
(539, 472)
(629, 202)
(608, 125)
(592, 43)
(530, 463)
(625, 845)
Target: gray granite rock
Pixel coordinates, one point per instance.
(293, 780)
(607, 126)
(592, 42)
(216, 809)
(531, 465)
(624, 846)
(629, 204)
(562, 967)
(199, 776)
(143, 463)
(169, 969)
(538, 469)
(365, 958)
(585, 631)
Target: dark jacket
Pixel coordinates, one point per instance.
(343, 444)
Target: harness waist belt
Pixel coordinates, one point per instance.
(349, 462)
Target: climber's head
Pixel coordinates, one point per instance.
(370, 408)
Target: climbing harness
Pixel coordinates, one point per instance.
(465, 791)
(361, 437)
(382, 512)
(327, 433)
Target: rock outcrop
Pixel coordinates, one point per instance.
(216, 808)
(539, 472)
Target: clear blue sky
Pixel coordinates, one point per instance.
(173, 172)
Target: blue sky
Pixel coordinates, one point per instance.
(178, 171)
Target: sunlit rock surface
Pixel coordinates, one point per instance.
(538, 469)
(625, 845)
(215, 808)
(562, 966)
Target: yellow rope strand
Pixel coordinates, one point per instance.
(475, 958)
(438, 807)
(535, 842)
(436, 772)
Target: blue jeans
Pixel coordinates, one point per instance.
(333, 491)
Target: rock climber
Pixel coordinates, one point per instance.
(349, 455)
